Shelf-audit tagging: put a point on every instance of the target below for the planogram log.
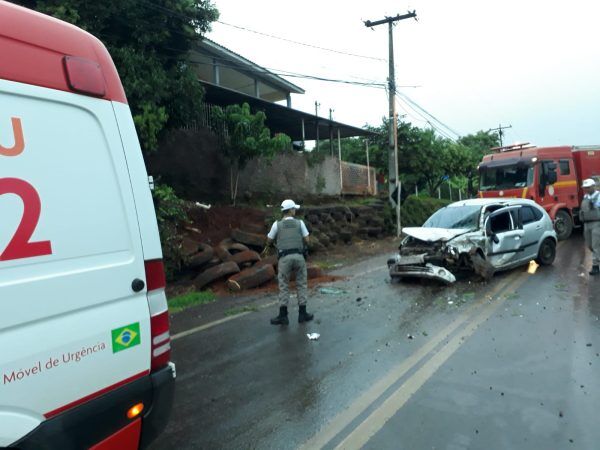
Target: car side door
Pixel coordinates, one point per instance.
(531, 219)
(505, 236)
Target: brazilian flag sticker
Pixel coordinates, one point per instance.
(125, 337)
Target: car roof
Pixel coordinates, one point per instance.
(493, 201)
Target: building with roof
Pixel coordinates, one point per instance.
(229, 78)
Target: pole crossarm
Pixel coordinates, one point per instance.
(408, 15)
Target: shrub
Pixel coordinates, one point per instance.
(416, 210)
(171, 215)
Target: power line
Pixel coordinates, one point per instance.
(286, 73)
(184, 17)
(341, 52)
(424, 119)
(431, 116)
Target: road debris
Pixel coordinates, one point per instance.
(313, 336)
(410, 336)
(332, 291)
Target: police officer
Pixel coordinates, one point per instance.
(589, 214)
(291, 236)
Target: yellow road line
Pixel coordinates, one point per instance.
(344, 418)
(372, 424)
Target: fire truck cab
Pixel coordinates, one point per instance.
(550, 176)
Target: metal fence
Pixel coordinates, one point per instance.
(209, 120)
(358, 179)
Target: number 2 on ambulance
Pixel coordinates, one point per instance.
(19, 246)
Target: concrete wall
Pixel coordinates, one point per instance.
(291, 174)
(190, 162)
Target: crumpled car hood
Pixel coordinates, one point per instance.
(434, 234)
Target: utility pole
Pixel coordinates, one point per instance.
(331, 132)
(393, 125)
(317, 122)
(500, 132)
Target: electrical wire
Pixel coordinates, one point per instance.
(340, 52)
(427, 113)
(184, 17)
(424, 119)
(286, 73)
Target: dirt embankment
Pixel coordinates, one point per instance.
(211, 231)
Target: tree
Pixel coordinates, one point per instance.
(149, 41)
(246, 137)
(477, 145)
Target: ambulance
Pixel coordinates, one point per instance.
(84, 326)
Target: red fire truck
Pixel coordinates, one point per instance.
(551, 176)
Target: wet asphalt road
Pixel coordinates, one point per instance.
(509, 364)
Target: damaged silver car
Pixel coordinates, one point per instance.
(479, 235)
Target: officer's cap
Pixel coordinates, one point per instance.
(588, 182)
(289, 204)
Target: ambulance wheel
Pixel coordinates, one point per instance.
(563, 224)
(547, 252)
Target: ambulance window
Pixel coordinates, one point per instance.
(564, 167)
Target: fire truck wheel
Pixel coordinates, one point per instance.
(563, 224)
(547, 252)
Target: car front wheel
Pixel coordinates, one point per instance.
(547, 252)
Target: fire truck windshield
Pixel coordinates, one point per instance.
(505, 177)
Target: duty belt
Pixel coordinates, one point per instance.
(292, 251)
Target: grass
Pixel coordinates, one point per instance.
(184, 301)
(236, 311)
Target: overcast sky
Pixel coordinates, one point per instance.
(534, 65)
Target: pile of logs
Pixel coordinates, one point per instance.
(237, 259)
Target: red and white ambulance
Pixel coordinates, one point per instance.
(84, 329)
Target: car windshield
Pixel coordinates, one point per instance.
(507, 177)
(465, 216)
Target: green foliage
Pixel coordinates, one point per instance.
(416, 210)
(149, 42)
(247, 135)
(424, 158)
(170, 214)
(184, 301)
(246, 138)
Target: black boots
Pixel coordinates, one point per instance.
(303, 316)
(282, 318)
(595, 270)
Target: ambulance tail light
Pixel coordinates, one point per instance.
(159, 315)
